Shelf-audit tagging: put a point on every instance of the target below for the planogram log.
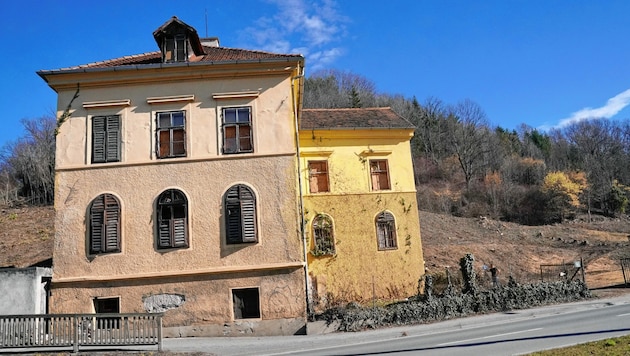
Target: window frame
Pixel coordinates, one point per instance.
(106, 323)
(172, 232)
(379, 175)
(317, 176)
(386, 238)
(109, 138)
(226, 147)
(171, 129)
(240, 215)
(171, 46)
(323, 241)
(104, 211)
(241, 297)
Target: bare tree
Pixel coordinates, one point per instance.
(30, 161)
(469, 138)
(338, 89)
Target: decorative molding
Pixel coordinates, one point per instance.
(170, 99)
(172, 274)
(371, 152)
(236, 95)
(106, 103)
(315, 153)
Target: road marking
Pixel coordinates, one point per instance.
(626, 314)
(489, 337)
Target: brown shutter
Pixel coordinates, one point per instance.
(248, 215)
(113, 139)
(164, 232)
(112, 224)
(96, 225)
(240, 215)
(232, 216)
(99, 137)
(179, 233)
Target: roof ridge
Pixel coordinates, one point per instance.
(254, 51)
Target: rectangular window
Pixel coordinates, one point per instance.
(379, 174)
(246, 303)
(175, 48)
(237, 130)
(106, 139)
(107, 306)
(171, 134)
(318, 176)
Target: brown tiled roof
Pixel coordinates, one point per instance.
(352, 119)
(215, 55)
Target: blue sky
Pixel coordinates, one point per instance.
(536, 62)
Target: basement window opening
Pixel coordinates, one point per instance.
(246, 303)
(107, 306)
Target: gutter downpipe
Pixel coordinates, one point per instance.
(300, 76)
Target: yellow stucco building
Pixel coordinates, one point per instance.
(175, 187)
(361, 215)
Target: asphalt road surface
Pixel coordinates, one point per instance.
(512, 333)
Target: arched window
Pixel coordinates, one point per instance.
(104, 224)
(323, 235)
(240, 215)
(172, 219)
(386, 231)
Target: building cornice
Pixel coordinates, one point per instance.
(57, 282)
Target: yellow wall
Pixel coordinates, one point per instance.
(358, 270)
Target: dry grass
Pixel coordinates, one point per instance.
(618, 346)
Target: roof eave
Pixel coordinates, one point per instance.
(130, 67)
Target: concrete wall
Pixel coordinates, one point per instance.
(22, 290)
(200, 305)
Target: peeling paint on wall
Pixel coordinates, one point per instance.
(160, 303)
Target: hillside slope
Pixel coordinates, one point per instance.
(520, 250)
(27, 233)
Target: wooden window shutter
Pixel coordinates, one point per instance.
(96, 225)
(112, 224)
(248, 215)
(105, 139)
(113, 139)
(240, 215)
(98, 139)
(105, 224)
(233, 216)
(164, 232)
(179, 232)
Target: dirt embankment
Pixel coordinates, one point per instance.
(26, 235)
(519, 250)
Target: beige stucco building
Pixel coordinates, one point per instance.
(176, 187)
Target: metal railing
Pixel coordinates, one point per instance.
(76, 330)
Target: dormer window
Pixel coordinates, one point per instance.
(178, 42)
(175, 49)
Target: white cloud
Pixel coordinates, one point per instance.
(612, 107)
(309, 28)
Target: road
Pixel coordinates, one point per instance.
(512, 333)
